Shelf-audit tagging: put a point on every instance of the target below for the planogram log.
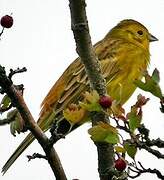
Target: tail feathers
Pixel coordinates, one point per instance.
(25, 143)
(62, 127)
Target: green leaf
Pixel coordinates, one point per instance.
(151, 84)
(119, 149)
(90, 102)
(134, 123)
(12, 129)
(155, 75)
(134, 119)
(97, 133)
(6, 101)
(17, 125)
(91, 106)
(112, 138)
(104, 132)
(131, 149)
(74, 114)
(141, 85)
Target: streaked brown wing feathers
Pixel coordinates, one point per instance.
(74, 80)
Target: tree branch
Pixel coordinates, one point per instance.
(150, 150)
(18, 101)
(140, 170)
(145, 135)
(6, 121)
(36, 155)
(79, 24)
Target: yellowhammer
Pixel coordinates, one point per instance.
(123, 55)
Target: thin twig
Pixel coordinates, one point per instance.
(156, 142)
(156, 153)
(140, 170)
(6, 121)
(36, 155)
(18, 70)
(2, 31)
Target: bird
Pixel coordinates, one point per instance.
(123, 56)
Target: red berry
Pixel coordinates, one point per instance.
(105, 101)
(120, 164)
(6, 21)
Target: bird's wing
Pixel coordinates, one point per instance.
(74, 80)
(70, 90)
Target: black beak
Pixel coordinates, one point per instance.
(152, 38)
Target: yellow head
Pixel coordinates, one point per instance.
(133, 32)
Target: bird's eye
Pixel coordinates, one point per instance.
(140, 32)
